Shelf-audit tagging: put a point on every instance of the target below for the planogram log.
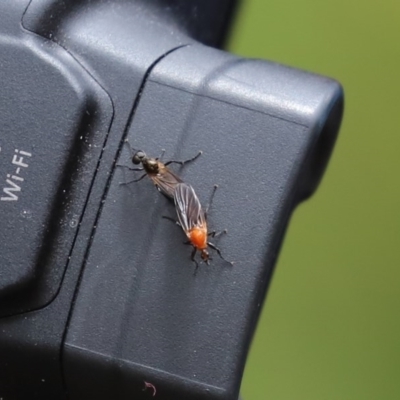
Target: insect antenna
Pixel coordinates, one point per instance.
(131, 149)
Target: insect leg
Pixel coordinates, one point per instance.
(186, 161)
(213, 246)
(135, 180)
(171, 219)
(130, 168)
(194, 260)
(161, 155)
(210, 201)
(216, 234)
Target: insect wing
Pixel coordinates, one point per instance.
(166, 181)
(188, 207)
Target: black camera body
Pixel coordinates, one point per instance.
(98, 296)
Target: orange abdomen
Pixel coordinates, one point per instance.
(198, 237)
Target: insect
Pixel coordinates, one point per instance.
(163, 178)
(193, 220)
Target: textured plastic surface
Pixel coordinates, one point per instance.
(260, 125)
(47, 130)
(102, 71)
(71, 72)
(206, 21)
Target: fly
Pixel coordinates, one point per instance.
(163, 178)
(193, 220)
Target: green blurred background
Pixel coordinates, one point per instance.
(330, 328)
